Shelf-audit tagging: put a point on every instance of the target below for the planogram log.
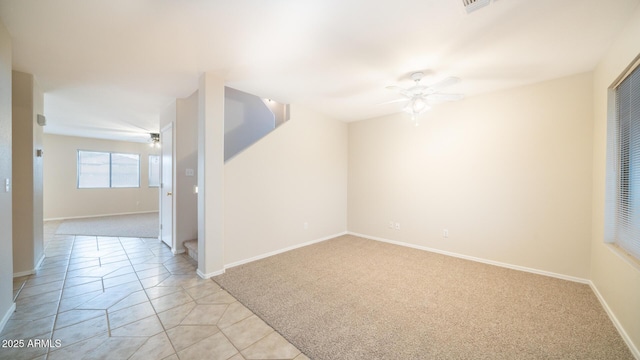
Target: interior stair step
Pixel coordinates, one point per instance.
(192, 248)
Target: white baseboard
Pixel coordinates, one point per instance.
(280, 251)
(632, 347)
(480, 260)
(424, 248)
(23, 273)
(177, 251)
(266, 255)
(209, 275)
(95, 216)
(7, 316)
(39, 262)
(634, 350)
(32, 271)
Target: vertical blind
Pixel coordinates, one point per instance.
(627, 219)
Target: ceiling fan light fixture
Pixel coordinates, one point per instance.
(420, 97)
(154, 140)
(417, 106)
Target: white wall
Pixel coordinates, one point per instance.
(186, 158)
(28, 242)
(508, 174)
(62, 198)
(166, 203)
(296, 174)
(168, 115)
(6, 240)
(183, 113)
(617, 279)
(246, 120)
(211, 214)
(38, 176)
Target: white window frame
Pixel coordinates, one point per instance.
(110, 186)
(622, 223)
(151, 184)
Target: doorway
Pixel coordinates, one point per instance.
(166, 186)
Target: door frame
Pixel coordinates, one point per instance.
(169, 126)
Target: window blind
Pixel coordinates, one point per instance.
(93, 169)
(104, 170)
(154, 170)
(627, 219)
(125, 170)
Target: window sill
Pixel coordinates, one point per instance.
(622, 253)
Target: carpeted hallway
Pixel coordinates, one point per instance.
(353, 298)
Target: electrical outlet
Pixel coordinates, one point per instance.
(445, 233)
(396, 226)
(390, 224)
(305, 225)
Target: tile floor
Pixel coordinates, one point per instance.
(130, 298)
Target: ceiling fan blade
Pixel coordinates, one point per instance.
(402, 91)
(393, 101)
(445, 97)
(444, 83)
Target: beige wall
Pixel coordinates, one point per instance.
(296, 174)
(28, 242)
(615, 278)
(508, 174)
(62, 198)
(6, 239)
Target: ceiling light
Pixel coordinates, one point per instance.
(420, 97)
(416, 106)
(154, 140)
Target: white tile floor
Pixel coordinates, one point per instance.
(130, 298)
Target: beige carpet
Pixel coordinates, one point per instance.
(144, 225)
(352, 298)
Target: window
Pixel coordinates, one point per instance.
(623, 166)
(108, 170)
(154, 170)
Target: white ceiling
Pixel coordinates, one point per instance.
(109, 67)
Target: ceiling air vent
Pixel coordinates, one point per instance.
(473, 5)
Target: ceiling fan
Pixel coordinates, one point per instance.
(420, 97)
